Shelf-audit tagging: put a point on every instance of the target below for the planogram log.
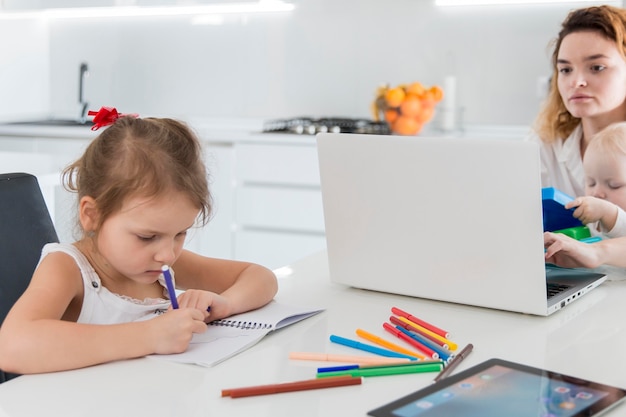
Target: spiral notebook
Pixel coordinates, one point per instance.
(227, 337)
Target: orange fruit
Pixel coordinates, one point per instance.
(394, 96)
(391, 115)
(416, 88)
(426, 114)
(428, 100)
(436, 92)
(411, 106)
(405, 125)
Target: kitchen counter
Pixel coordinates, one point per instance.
(248, 131)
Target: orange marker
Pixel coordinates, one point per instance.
(391, 346)
(431, 335)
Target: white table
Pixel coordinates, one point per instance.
(586, 339)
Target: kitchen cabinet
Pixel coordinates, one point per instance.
(278, 202)
(267, 204)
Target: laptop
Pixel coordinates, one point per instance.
(451, 219)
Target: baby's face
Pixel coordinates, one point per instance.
(605, 176)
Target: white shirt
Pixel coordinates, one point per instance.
(562, 164)
(101, 306)
(618, 230)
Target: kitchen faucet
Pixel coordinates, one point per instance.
(84, 73)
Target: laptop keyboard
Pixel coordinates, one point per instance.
(554, 288)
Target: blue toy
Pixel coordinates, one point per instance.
(555, 215)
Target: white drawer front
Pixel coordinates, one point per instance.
(281, 208)
(276, 164)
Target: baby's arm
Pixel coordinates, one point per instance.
(591, 209)
(40, 333)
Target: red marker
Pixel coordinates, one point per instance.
(430, 337)
(422, 323)
(431, 353)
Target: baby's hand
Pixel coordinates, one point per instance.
(592, 209)
(173, 330)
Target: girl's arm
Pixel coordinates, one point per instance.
(40, 334)
(241, 286)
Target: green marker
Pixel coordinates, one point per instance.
(386, 370)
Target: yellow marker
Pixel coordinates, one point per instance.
(391, 346)
(423, 330)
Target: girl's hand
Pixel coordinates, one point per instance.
(564, 251)
(173, 330)
(213, 306)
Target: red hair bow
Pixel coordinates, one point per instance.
(106, 116)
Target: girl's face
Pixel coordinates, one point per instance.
(144, 235)
(591, 76)
(605, 176)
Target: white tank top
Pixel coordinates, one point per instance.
(101, 306)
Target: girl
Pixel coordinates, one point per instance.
(587, 93)
(141, 186)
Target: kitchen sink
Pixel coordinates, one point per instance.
(51, 122)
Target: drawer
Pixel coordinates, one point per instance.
(277, 164)
(282, 208)
(274, 250)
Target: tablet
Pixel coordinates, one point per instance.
(497, 388)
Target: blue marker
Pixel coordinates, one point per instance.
(368, 348)
(444, 354)
(337, 368)
(170, 285)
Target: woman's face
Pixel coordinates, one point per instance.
(591, 76)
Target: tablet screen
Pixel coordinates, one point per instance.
(498, 388)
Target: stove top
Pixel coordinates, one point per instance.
(311, 126)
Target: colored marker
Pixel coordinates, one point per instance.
(425, 332)
(391, 346)
(367, 348)
(401, 335)
(169, 283)
(348, 367)
(443, 353)
(454, 362)
(435, 338)
(422, 323)
(387, 370)
(328, 357)
(309, 384)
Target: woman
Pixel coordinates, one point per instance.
(587, 93)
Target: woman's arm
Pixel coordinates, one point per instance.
(38, 335)
(239, 286)
(564, 251)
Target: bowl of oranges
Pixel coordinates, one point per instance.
(406, 107)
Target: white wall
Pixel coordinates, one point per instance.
(24, 69)
(324, 59)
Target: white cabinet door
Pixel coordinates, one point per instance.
(278, 211)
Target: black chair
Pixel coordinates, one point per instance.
(25, 227)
